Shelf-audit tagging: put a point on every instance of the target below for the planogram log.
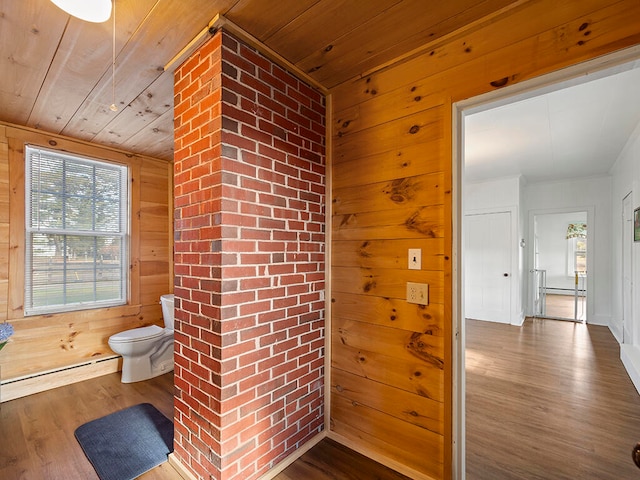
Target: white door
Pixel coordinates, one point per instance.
(627, 233)
(487, 253)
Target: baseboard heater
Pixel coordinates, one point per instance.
(39, 382)
(565, 291)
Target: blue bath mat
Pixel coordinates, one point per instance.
(127, 443)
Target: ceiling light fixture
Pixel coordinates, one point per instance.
(96, 11)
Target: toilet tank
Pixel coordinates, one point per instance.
(167, 310)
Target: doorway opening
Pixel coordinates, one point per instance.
(582, 254)
(558, 279)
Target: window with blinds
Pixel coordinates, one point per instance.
(76, 232)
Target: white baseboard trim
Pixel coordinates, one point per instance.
(630, 356)
(602, 320)
(30, 384)
(616, 332)
(518, 322)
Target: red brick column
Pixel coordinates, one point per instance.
(249, 261)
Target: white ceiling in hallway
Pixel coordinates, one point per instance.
(577, 131)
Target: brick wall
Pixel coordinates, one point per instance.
(249, 261)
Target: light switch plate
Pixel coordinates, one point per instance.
(415, 259)
(418, 293)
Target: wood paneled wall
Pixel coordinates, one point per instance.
(392, 190)
(48, 342)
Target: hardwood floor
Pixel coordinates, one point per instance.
(330, 460)
(37, 440)
(563, 306)
(549, 400)
(36, 432)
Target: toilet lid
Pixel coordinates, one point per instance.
(138, 334)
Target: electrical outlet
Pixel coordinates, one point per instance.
(415, 259)
(418, 293)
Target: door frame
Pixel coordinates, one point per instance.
(573, 75)
(627, 251)
(590, 210)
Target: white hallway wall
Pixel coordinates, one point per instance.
(625, 179)
(580, 194)
(500, 195)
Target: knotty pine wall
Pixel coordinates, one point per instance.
(392, 190)
(46, 342)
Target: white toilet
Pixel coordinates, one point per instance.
(148, 351)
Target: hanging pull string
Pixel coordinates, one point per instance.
(113, 106)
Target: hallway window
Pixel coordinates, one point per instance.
(577, 256)
(576, 249)
(76, 232)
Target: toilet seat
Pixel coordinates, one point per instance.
(141, 334)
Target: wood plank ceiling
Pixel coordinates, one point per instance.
(55, 70)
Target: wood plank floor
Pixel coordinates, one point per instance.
(549, 400)
(563, 306)
(36, 432)
(37, 440)
(330, 460)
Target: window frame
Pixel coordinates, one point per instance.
(123, 233)
(572, 255)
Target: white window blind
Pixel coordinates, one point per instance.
(76, 232)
